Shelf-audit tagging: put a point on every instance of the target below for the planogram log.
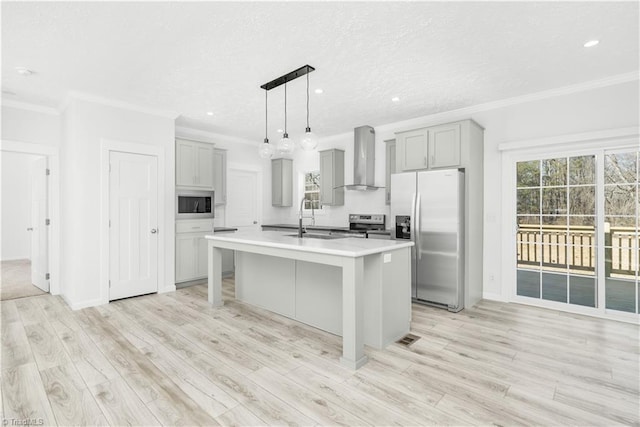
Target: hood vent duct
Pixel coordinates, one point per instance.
(364, 159)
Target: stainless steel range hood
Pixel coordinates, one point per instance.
(364, 159)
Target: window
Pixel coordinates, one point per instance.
(312, 190)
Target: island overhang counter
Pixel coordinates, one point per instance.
(357, 288)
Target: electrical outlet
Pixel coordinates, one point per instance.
(387, 258)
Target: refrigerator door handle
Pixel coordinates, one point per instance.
(412, 232)
(416, 225)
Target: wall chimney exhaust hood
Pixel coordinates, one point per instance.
(364, 159)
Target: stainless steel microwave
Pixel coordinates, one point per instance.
(194, 204)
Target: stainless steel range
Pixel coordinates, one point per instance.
(361, 223)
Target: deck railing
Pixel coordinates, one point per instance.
(559, 246)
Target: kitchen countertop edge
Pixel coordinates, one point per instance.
(355, 247)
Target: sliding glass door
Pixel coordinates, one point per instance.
(621, 212)
(577, 230)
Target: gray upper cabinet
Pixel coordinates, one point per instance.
(390, 167)
(412, 149)
(194, 164)
(332, 177)
(430, 148)
(444, 146)
(220, 176)
(281, 182)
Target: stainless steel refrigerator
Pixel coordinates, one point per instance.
(427, 207)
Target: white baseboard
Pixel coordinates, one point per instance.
(83, 304)
(171, 288)
(493, 297)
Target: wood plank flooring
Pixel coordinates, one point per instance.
(15, 280)
(172, 359)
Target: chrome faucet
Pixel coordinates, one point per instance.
(300, 216)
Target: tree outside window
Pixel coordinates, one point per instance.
(312, 190)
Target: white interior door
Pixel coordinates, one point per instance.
(242, 200)
(39, 246)
(133, 234)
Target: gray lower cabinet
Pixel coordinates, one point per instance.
(281, 182)
(390, 168)
(332, 177)
(191, 249)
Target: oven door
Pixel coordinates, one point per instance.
(194, 204)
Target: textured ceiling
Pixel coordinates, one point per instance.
(213, 56)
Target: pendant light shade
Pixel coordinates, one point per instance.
(285, 145)
(265, 150)
(309, 140)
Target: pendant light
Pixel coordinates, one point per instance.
(266, 150)
(285, 145)
(309, 140)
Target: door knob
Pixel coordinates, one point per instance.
(255, 222)
(154, 231)
(30, 229)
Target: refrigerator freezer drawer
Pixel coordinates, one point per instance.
(438, 278)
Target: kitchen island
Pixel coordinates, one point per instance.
(357, 288)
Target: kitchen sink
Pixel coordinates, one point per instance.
(318, 236)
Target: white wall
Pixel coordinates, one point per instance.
(37, 127)
(85, 125)
(16, 205)
(570, 111)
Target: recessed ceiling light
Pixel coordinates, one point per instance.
(24, 71)
(318, 90)
(209, 113)
(395, 99)
(591, 43)
(279, 131)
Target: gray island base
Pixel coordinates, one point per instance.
(359, 289)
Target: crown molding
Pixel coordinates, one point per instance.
(30, 107)
(211, 137)
(83, 96)
(466, 112)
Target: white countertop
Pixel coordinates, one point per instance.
(348, 247)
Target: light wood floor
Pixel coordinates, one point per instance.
(172, 359)
(15, 280)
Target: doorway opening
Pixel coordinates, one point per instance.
(25, 225)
